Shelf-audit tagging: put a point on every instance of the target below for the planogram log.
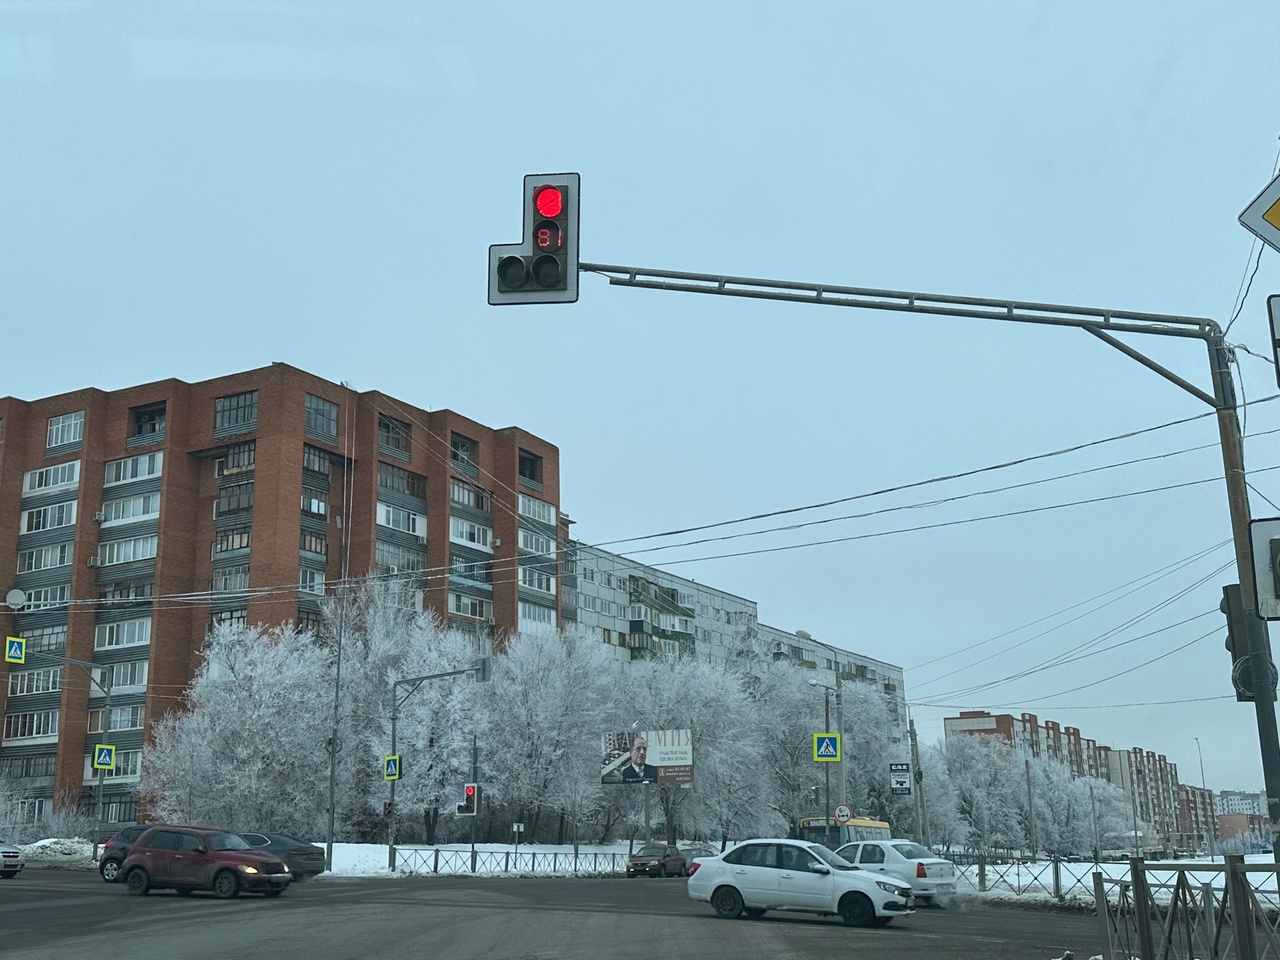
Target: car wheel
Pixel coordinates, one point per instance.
(110, 870)
(137, 882)
(274, 892)
(856, 910)
(755, 913)
(225, 885)
(727, 903)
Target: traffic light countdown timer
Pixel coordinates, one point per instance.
(543, 266)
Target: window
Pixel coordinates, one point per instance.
(589, 574)
(462, 450)
(315, 459)
(238, 411)
(131, 509)
(48, 680)
(536, 579)
(29, 726)
(127, 633)
(122, 718)
(481, 571)
(47, 518)
(535, 616)
(59, 477)
(472, 534)
(468, 495)
(319, 417)
(41, 765)
(309, 621)
(398, 518)
(230, 578)
(68, 428)
(133, 468)
(132, 673)
(530, 467)
(127, 551)
(402, 481)
(44, 558)
(315, 502)
(393, 558)
(236, 498)
(586, 602)
(470, 606)
(45, 597)
(229, 540)
(393, 434)
(313, 543)
(536, 509)
(148, 421)
(239, 458)
(234, 618)
(124, 590)
(311, 581)
(47, 639)
(752, 855)
(537, 543)
(128, 763)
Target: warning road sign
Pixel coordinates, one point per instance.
(826, 747)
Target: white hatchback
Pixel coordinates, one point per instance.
(760, 875)
(929, 874)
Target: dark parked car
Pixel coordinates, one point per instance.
(200, 858)
(117, 848)
(657, 860)
(691, 854)
(303, 859)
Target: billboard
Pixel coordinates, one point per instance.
(647, 756)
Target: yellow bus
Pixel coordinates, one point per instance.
(829, 831)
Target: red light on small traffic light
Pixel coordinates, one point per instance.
(548, 201)
(471, 790)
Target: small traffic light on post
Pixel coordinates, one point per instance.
(543, 266)
(470, 800)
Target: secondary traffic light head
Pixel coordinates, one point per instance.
(543, 266)
(470, 799)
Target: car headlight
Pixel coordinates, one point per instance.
(285, 866)
(894, 889)
(248, 869)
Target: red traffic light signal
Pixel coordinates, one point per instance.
(471, 795)
(543, 266)
(470, 790)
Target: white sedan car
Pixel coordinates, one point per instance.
(929, 875)
(761, 875)
(11, 861)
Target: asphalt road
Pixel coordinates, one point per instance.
(47, 914)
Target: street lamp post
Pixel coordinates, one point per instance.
(1213, 824)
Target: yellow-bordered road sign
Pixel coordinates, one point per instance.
(15, 650)
(104, 756)
(826, 747)
(391, 767)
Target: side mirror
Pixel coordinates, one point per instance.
(201, 849)
(817, 867)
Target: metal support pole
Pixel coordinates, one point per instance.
(1212, 824)
(826, 767)
(334, 743)
(1031, 808)
(1097, 841)
(391, 808)
(840, 791)
(475, 778)
(105, 685)
(917, 777)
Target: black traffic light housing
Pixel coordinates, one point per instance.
(470, 800)
(1243, 632)
(543, 266)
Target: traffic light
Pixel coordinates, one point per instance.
(1237, 628)
(543, 266)
(1241, 632)
(470, 800)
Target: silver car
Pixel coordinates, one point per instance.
(11, 861)
(930, 875)
(761, 875)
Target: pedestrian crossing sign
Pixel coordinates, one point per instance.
(104, 756)
(826, 747)
(15, 650)
(391, 767)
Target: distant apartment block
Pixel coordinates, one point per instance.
(1242, 802)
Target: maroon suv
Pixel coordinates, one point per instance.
(201, 858)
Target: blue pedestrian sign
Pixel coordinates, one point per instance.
(15, 650)
(104, 756)
(391, 767)
(826, 747)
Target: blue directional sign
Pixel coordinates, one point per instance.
(826, 747)
(391, 767)
(104, 756)
(15, 650)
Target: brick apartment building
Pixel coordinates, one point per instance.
(132, 519)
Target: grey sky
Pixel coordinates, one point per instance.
(193, 189)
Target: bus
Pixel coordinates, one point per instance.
(829, 831)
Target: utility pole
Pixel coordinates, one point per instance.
(1098, 322)
(1031, 808)
(917, 776)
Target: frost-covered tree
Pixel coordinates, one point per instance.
(987, 779)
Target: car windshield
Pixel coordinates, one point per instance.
(651, 852)
(913, 851)
(227, 841)
(830, 857)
